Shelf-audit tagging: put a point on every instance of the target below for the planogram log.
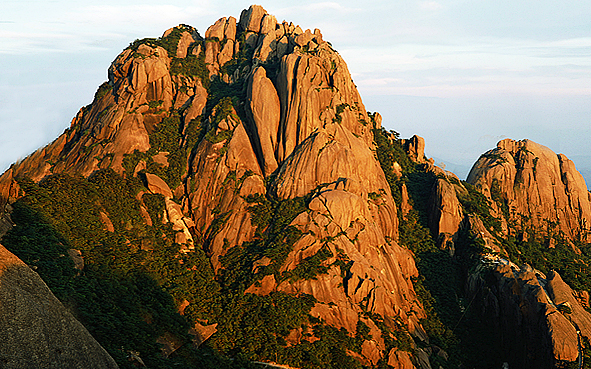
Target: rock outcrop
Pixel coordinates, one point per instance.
(531, 186)
(538, 196)
(36, 330)
(415, 147)
(446, 214)
(445, 209)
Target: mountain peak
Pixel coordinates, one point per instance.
(531, 186)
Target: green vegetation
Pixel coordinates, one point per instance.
(242, 59)
(274, 236)
(117, 296)
(191, 65)
(166, 137)
(339, 110)
(494, 156)
(499, 197)
(389, 153)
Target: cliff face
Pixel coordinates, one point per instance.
(256, 113)
(36, 330)
(522, 204)
(536, 319)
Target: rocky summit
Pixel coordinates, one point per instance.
(226, 201)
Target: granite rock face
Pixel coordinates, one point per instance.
(258, 110)
(36, 330)
(531, 186)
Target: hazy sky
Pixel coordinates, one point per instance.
(461, 74)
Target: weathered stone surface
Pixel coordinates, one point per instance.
(226, 53)
(266, 112)
(179, 224)
(446, 212)
(400, 359)
(77, 258)
(313, 89)
(250, 19)
(36, 330)
(230, 29)
(478, 230)
(268, 24)
(157, 185)
(405, 206)
(170, 343)
(202, 332)
(370, 350)
(305, 123)
(217, 29)
(114, 125)
(212, 50)
(562, 294)
(535, 183)
(108, 225)
(415, 148)
(266, 48)
(533, 332)
(197, 103)
(211, 167)
(183, 45)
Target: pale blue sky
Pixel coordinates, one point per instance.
(462, 74)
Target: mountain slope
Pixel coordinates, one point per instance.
(227, 200)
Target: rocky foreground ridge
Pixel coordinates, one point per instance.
(227, 199)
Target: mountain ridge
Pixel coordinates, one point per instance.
(253, 210)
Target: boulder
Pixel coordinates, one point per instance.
(400, 359)
(250, 19)
(202, 332)
(217, 30)
(157, 185)
(446, 213)
(77, 258)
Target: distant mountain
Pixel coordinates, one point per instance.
(227, 201)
